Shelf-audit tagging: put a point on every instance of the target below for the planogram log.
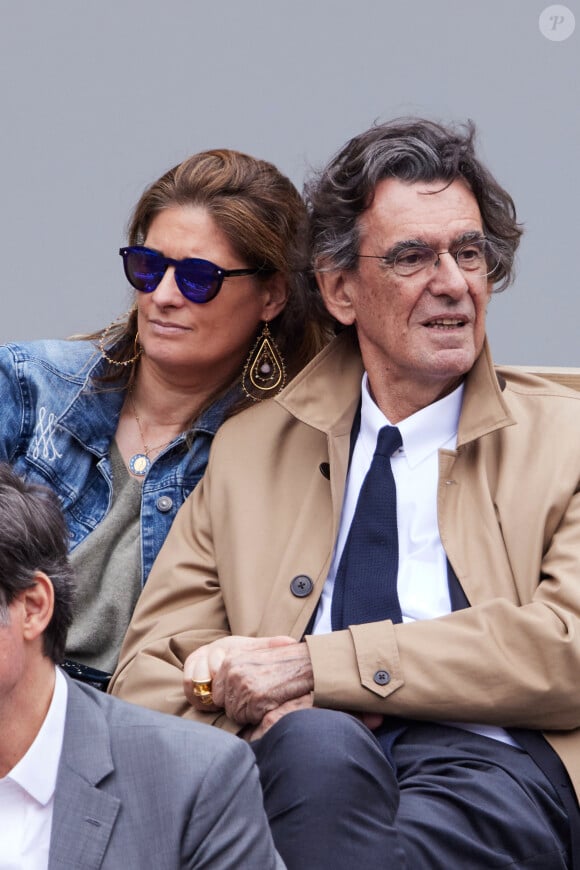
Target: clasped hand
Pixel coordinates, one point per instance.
(251, 676)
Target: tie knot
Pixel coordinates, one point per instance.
(388, 441)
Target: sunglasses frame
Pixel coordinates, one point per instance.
(191, 262)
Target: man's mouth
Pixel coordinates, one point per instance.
(445, 323)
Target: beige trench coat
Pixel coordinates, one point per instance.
(268, 510)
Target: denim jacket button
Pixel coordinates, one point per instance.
(164, 503)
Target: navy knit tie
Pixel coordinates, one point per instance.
(365, 588)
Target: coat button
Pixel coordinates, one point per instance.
(382, 678)
(324, 468)
(164, 503)
(301, 586)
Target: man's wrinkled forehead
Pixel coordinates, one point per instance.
(415, 210)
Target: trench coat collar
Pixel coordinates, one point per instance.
(325, 395)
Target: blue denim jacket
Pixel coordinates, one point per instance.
(56, 428)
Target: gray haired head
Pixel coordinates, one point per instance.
(34, 537)
(411, 150)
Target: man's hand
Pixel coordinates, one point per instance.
(371, 720)
(260, 676)
(250, 676)
(254, 732)
(205, 662)
(258, 680)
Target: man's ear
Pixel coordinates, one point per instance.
(275, 297)
(335, 289)
(38, 605)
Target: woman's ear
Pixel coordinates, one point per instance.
(335, 287)
(275, 297)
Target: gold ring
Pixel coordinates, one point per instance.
(202, 690)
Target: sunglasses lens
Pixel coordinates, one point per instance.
(198, 282)
(144, 269)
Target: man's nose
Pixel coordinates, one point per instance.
(447, 279)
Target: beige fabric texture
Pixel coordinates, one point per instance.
(509, 517)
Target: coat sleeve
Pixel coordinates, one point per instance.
(182, 591)
(228, 825)
(501, 662)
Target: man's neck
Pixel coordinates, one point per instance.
(23, 709)
(400, 400)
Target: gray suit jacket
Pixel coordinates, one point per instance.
(138, 789)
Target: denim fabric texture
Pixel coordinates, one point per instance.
(57, 425)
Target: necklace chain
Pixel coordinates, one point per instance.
(139, 464)
(146, 449)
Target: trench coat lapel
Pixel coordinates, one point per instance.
(331, 412)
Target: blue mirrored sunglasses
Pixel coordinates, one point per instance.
(198, 280)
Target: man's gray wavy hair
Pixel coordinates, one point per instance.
(411, 150)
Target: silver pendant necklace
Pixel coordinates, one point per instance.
(139, 463)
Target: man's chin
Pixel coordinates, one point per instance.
(452, 363)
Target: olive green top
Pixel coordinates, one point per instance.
(107, 566)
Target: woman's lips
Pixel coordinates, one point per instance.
(165, 326)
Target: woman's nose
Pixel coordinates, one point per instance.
(167, 292)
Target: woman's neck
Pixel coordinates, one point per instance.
(163, 401)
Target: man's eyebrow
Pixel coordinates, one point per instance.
(406, 244)
(403, 245)
(471, 236)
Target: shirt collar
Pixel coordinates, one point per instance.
(36, 772)
(423, 433)
(212, 418)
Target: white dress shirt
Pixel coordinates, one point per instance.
(422, 579)
(422, 582)
(27, 792)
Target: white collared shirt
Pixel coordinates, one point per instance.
(422, 580)
(27, 792)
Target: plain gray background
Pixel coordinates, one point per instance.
(99, 98)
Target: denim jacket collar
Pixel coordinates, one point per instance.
(94, 423)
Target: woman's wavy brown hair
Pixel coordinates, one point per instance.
(264, 219)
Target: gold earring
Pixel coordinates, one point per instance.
(137, 349)
(264, 374)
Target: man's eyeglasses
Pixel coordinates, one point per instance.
(477, 258)
(198, 280)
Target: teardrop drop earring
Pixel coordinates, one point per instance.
(264, 374)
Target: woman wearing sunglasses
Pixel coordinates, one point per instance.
(120, 424)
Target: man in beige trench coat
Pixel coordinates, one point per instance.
(396, 690)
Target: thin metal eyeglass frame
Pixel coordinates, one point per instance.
(163, 262)
(436, 258)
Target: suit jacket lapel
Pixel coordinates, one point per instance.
(84, 815)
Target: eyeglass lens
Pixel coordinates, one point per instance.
(476, 257)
